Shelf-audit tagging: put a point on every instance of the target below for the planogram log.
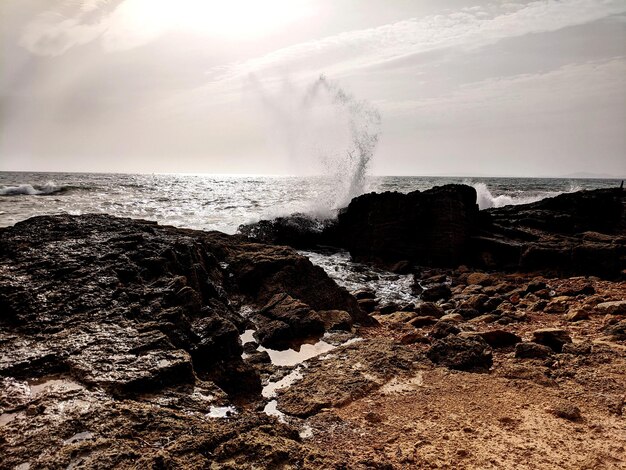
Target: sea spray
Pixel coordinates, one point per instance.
(327, 132)
(364, 123)
(487, 200)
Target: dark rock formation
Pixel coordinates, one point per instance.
(554, 338)
(577, 233)
(429, 228)
(454, 352)
(120, 338)
(129, 306)
(531, 350)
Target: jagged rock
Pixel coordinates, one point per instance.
(554, 338)
(348, 375)
(475, 302)
(557, 235)
(297, 230)
(436, 292)
(577, 233)
(385, 226)
(420, 322)
(364, 293)
(482, 279)
(616, 331)
(557, 306)
(577, 314)
(577, 349)
(66, 280)
(429, 309)
(455, 352)
(336, 319)
(486, 318)
(452, 317)
(495, 338)
(284, 319)
(441, 329)
(530, 350)
(617, 307)
(368, 305)
(566, 410)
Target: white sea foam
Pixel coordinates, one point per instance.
(487, 200)
(30, 190)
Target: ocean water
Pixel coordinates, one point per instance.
(209, 202)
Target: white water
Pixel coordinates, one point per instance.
(328, 132)
(208, 202)
(486, 199)
(28, 189)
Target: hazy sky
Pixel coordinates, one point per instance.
(463, 87)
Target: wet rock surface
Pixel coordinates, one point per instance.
(576, 233)
(122, 348)
(136, 318)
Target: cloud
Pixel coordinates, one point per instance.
(469, 28)
(52, 34)
(527, 97)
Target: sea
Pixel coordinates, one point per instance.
(224, 202)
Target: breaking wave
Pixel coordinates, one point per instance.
(32, 190)
(487, 200)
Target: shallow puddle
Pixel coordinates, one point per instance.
(292, 357)
(270, 389)
(221, 412)
(247, 337)
(272, 410)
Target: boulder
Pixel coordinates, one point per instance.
(577, 314)
(454, 352)
(286, 319)
(429, 309)
(554, 338)
(482, 279)
(616, 307)
(436, 292)
(530, 350)
(427, 228)
(336, 319)
(617, 331)
(495, 338)
(441, 329)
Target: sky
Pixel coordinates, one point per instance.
(469, 88)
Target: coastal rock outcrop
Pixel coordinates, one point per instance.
(128, 305)
(574, 233)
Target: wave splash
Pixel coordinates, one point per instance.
(32, 190)
(327, 132)
(348, 165)
(487, 200)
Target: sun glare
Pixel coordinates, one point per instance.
(243, 19)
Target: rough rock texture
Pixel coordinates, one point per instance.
(582, 232)
(132, 330)
(351, 373)
(430, 227)
(577, 233)
(455, 352)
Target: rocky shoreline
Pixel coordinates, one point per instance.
(132, 345)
